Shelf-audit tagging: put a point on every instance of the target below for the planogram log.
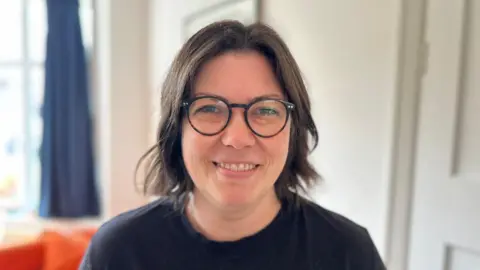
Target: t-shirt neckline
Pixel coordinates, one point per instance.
(258, 242)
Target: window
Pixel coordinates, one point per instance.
(23, 28)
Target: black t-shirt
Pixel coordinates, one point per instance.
(159, 236)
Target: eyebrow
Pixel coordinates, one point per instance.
(270, 96)
(275, 96)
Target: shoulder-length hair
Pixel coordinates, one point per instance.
(166, 174)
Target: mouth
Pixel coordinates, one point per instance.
(237, 167)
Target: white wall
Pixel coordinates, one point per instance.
(121, 97)
(347, 51)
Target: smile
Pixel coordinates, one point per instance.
(237, 167)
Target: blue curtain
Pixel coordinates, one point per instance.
(68, 187)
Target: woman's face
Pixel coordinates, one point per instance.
(235, 167)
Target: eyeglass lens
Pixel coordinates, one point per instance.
(210, 115)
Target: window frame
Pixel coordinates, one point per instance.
(28, 197)
(26, 65)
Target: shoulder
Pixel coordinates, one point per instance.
(116, 238)
(335, 223)
(343, 235)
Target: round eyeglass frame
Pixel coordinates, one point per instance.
(288, 106)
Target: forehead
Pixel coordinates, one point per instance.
(238, 77)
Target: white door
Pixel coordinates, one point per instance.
(445, 232)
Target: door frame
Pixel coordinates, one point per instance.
(412, 56)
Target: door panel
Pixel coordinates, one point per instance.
(445, 232)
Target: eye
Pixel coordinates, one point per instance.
(208, 109)
(267, 111)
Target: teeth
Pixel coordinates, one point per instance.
(239, 167)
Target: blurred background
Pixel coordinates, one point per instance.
(392, 83)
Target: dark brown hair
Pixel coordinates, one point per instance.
(166, 174)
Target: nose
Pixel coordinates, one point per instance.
(237, 134)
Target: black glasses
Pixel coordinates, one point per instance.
(210, 115)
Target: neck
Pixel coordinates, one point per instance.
(230, 224)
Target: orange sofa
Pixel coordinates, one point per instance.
(52, 250)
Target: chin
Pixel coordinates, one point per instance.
(237, 197)
(234, 198)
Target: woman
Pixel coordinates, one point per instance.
(230, 166)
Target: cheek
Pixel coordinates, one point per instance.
(278, 147)
(189, 146)
(195, 147)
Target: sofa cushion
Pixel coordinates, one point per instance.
(63, 250)
(25, 256)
